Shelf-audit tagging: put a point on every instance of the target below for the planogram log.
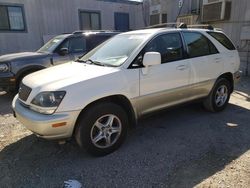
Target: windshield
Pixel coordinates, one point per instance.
(51, 45)
(115, 51)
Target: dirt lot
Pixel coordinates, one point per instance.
(180, 147)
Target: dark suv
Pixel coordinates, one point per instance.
(61, 49)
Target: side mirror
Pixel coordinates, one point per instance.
(63, 51)
(151, 59)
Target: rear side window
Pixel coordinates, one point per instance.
(95, 40)
(198, 45)
(221, 38)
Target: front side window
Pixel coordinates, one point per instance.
(115, 51)
(77, 45)
(221, 38)
(168, 45)
(11, 18)
(51, 45)
(198, 45)
(90, 20)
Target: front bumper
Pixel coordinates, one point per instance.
(7, 82)
(41, 124)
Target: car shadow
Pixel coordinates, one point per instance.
(179, 147)
(5, 102)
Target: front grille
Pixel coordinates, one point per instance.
(24, 92)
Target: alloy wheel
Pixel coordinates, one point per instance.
(221, 95)
(106, 131)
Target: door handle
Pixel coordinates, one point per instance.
(181, 67)
(217, 60)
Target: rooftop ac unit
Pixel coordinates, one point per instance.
(188, 19)
(216, 10)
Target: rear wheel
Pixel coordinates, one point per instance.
(218, 98)
(102, 129)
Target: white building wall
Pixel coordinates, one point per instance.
(53, 17)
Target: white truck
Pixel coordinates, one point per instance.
(132, 74)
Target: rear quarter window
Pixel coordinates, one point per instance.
(221, 38)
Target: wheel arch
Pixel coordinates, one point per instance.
(229, 77)
(120, 100)
(27, 70)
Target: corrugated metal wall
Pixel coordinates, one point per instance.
(240, 16)
(52, 17)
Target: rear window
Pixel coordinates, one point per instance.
(221, 38)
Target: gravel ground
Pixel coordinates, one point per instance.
(180, 147)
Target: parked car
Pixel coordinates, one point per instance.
(61, 49)
(124, 78)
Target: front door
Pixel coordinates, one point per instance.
(165, 84)
(76, 47)
(57, 57)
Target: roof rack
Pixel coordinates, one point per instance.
(170, 24)
(93, 31)
(182, 26)
(202, 26)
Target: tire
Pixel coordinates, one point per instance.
(96, 134)
(218, 98)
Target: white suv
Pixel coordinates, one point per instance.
(97, 98)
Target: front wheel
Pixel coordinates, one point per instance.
(218, 98)
(102, 128)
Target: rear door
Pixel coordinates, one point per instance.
(228, 51)
(165, 84)
(205, 61)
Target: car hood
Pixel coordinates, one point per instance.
(22, 56)
(60, 76)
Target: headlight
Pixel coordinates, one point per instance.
(4, 68)
(47, 102)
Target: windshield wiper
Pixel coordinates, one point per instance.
(80, 61)
(95, 62)
(90, 62)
